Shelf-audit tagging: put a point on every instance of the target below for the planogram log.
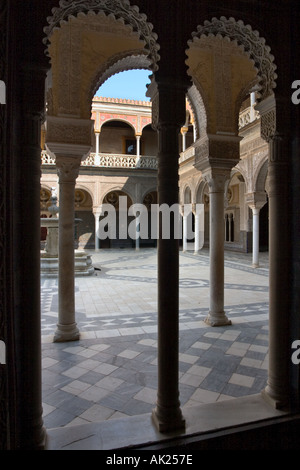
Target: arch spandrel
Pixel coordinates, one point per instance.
(221, 70)
(78, 50)
(89, 39)
(226, 58)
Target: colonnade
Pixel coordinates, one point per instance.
(216, 172)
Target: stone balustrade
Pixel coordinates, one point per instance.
(110, 161)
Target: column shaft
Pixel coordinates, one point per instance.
(184, 234)
(97, 157)
(27, 119)
(167, 414)
(197, 233)
(216, 316)
(255, 238)
(277, 389)
(66, 328)
(97, 240)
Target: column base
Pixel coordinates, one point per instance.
(254, 265)
(169, 423)
(279, 403)
(66, 333)
(217, 319)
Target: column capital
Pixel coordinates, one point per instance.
(67, 169)
(216, 178)
(256, 200)
(217, 151)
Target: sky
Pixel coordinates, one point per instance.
(127, 85)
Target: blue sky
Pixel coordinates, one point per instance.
(127, 85)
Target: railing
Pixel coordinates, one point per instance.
(110, 161)
(188, 153)
(247, 116)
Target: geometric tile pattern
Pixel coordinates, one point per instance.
(112, 370)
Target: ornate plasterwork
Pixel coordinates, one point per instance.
(268, 125)
(254, 46)
(120, 9)
(217, 151)
(69, 131)
(67, 169)
(119, 63)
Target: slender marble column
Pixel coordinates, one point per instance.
(97, 158)
(138, 150)
(216, 179)
(183, 133)
(184, 231)
(97, 239)
(255, 237)
(198, 211)
(256, 201)
(169, 101)
(67, 168)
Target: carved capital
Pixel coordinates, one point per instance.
(217, 151)
(216, 179)
(67, 169)
(256, 200)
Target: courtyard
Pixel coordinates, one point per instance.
(111, 372)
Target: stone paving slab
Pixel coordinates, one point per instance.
(111, 371)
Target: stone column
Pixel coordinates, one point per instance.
(277, 391)
(67, 169)
(255, 201)
(255, 237)
(183, 133)
(97, 158)
(68, 155)
(216, 179)
(215, 156)
(168, 108)
(198, 210)
(25, 169)
(184, 229)
(97, 240)
(138, 150)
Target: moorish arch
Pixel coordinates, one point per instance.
(82, 40)
(129, 60)
(226, 59)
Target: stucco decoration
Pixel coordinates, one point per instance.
(120, 9)
(254, 46)
(119, 63)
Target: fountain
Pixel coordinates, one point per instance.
(49, 256)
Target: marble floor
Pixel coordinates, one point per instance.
(111, 372)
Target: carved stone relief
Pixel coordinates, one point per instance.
(254, 46)
(120, 9)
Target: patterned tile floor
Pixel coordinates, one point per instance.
(112, 370)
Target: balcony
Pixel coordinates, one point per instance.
(110, 161)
